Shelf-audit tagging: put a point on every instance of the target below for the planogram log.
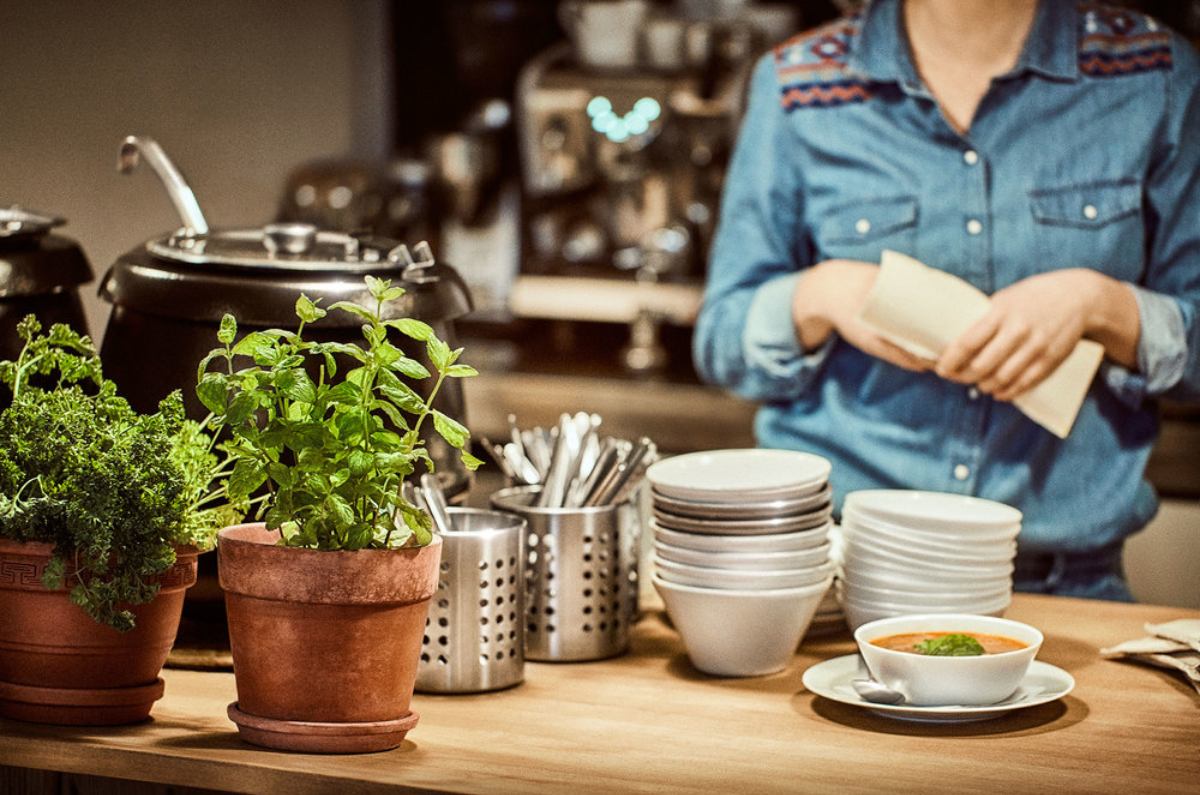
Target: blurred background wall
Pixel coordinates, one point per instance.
(237, 92)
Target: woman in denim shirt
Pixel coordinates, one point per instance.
(1049, 154)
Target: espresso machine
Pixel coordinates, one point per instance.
(624, 134)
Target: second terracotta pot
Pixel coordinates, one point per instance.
(57, 665)
(325, 644)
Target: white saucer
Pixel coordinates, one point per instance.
(832, 679)
(735, 476)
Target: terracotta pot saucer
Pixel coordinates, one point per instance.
(322, 738)
(79, 706)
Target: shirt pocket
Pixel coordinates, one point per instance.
(1095, 225)
(861, 230)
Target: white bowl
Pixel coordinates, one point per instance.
(857, 615)
(705, 577)
(780, 524)
(991, 555)
(769, 509)
(731, 476)
(940, 681)
(860, 556)
(773, 542)
(745, 561)
(916, 582)
(740, 633)
(968, 538)
(931, 509)
(947, 599)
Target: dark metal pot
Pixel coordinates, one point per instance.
(169, 296)
(40, 274)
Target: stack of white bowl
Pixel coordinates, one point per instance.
(906, 552)
(742, 550)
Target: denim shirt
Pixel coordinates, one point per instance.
(1086, 154)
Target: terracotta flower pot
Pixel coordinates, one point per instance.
(325, 644)
(57, 665)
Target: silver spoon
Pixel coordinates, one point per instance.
(876, 692)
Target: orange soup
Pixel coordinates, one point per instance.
(913, 642)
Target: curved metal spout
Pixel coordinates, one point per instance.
(133, 149)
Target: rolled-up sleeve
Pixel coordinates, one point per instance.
(1168, 353)
(745, 339)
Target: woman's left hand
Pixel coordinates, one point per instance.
(1033, 325)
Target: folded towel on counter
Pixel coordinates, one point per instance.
(922, 310)
(1174, 645)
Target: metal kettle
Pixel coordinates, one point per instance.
(169, 295)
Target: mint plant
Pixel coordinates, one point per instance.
(323, 460)
(114, 490)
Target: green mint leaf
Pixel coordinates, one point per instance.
(227, 333)
(455, 434)
(346, 393)
(392, 293)
(403, 396)
(469, 461)
(410, 367)
(256, 345)
(211, 391)
(439, 353)
(413, 329)
(376, 287)
(241, 408)
(461, 371)
(301, 387)
(247, 476)
(308, 311)
(354, 309)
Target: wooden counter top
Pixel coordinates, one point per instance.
(648, 722)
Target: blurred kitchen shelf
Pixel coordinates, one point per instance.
(604, 300)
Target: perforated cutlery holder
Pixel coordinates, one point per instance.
(581, 576)
(475, 634)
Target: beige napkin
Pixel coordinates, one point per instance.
(922, 310)
(1174, 645)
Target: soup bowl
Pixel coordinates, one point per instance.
(725, 579)
(942, 681)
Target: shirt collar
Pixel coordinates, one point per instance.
(882, 51)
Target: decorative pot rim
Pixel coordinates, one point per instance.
(27, 574)
(250, 563)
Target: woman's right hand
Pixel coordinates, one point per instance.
(828, 299)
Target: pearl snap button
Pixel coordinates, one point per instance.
(974, 226)
(970, 157)
(1090, 212)
(973, 393)
(962, 472)
(862, 226)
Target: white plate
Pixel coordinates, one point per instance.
(771, 542)
(768, 509)
(753, 527)
(727, 580)
(744, 561)
(732, 476)
(832, 679)
(931, 509)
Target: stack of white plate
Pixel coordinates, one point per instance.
(742, 549)
(905, 552)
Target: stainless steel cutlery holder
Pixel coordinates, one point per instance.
(581, 572)
(475, 634)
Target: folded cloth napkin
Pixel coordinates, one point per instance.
(1174, 645)
(922, 310)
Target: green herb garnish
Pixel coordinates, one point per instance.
(326, 452)
(955, 644)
